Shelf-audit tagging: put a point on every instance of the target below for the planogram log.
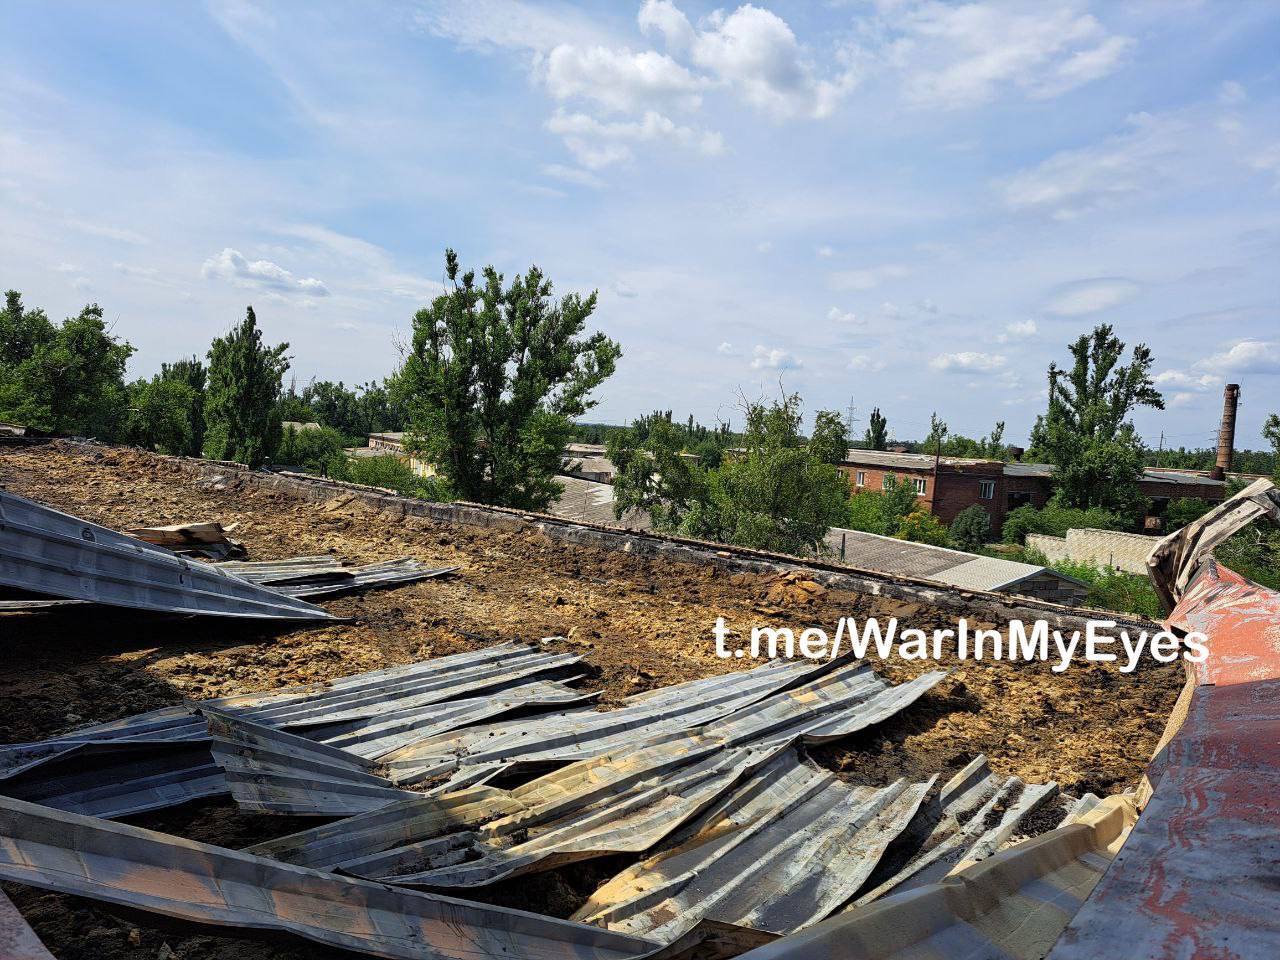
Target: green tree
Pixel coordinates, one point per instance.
(67, 379)
(937, 435)
(1086, 433)
(830, 439)
(313, 450)
(778, 495)
(877, 437)
(921, 527)
(241, 407)
(971, 528)
(160, 415)
(492, 380)
(1271, 433)
(651, 473)
(882, 512)
(191, 372)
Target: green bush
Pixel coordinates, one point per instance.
(971, 528)
(1182, 511)
(316, 451)
(1115, 590)
(393, 473)
(1056, 520)
(921, 527)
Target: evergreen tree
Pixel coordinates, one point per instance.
(244, 388)
(877, 437)
(494, 375)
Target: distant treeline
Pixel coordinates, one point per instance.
(1261, 462)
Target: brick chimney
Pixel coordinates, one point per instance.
(1227, 432)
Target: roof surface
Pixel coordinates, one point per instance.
(908, 461)
(969, 571)
(592, 502)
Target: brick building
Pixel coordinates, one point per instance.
(947, 485)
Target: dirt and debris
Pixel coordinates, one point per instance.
(640, 623)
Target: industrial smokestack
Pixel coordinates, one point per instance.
(1227, 432)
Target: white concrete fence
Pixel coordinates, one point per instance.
(1103, 548)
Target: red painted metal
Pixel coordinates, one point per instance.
(1199, 877)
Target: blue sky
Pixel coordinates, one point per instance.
(912, 203)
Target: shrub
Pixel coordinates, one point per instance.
(1182, 511)
(921, 527)
(312, 450)
(1115, 590)
(393, 473)
(1055, 520)
(971, 528)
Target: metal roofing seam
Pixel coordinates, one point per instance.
(200, 883)
(48, 552)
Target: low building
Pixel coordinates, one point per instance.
(968, 571)
(947, 485)
(588, 461)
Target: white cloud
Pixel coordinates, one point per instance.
(1017, 330)
(967, 54)
(1267, 160)
(1184, 380)
(1247, 356)
(596, 143)
(753, 52)
(1073, 182)
(82, 285)
(108, 232)
(968, 361)
(142, 273)
(621, 81)
(1232, 92)
(1083, 297)
(772, 358)
(623, 289)
(844, 317)
(867, 278)
(582, 178)
(726, 348)
(234, 266)
(825, 252)
(865, 364)
(764, 246)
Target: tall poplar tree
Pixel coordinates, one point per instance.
(241, 415)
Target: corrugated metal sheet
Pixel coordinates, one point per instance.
(785, 849)
(625, 800)
(208, 885)
(575, 735)
(325, 576)
(1010, 906)
(162, 758)
(55, 554)
(975, 812)
(17, 940)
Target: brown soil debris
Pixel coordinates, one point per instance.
(639, 623)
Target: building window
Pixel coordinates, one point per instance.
(920, 486)
(986, 489)
(862, 478)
